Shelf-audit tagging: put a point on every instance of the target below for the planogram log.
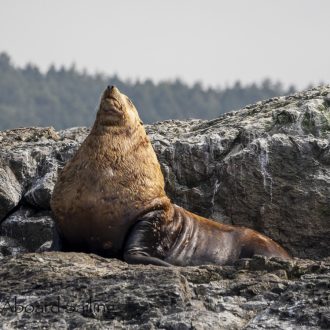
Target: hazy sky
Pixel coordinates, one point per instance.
(212, 41)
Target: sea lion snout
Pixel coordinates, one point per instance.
(116, 109)
(111, 91)
(112, 109)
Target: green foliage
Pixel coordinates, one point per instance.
(66, 97)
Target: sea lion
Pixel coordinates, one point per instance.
(109, 199)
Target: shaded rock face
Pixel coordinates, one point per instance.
(80, 291)
(266, 167)
(30, 228)
(10, 247)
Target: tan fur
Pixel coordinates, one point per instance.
(113, 177)
(114, 180)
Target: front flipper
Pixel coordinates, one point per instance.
(141, 258)
(144, 242)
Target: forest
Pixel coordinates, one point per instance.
(66, 97)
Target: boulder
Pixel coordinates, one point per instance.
(10, 191)
(29, 227)
(10, 247)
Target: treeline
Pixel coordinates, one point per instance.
(66, 97)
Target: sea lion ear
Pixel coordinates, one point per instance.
(141, 122)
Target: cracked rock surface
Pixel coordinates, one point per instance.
(79, 291)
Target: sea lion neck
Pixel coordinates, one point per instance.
(115, 139)
(113, 131)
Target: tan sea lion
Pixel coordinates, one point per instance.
(110, 199)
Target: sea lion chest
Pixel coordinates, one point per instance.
(101, 192)
(98, 203)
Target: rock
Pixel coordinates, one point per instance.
(45, 247)
(290, 312)
(76, 290)
(33, 155)
(30, 228)
(327, 99)
(41, 189)
(10, 191)
(10, 247)
(20, 159)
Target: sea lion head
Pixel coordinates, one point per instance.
(116, 109)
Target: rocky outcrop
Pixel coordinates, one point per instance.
(80, 291)
(266, 166)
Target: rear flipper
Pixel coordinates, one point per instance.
(143, 244)
(258, 244)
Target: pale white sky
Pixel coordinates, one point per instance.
(212, 41)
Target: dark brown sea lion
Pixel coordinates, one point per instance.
(110, 199)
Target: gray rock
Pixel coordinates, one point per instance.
(327, 99)
(41, 189)
(45, 247)
(76, 290)
(30, 228)
(10, 191)
(10, 247)
(21, 159)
